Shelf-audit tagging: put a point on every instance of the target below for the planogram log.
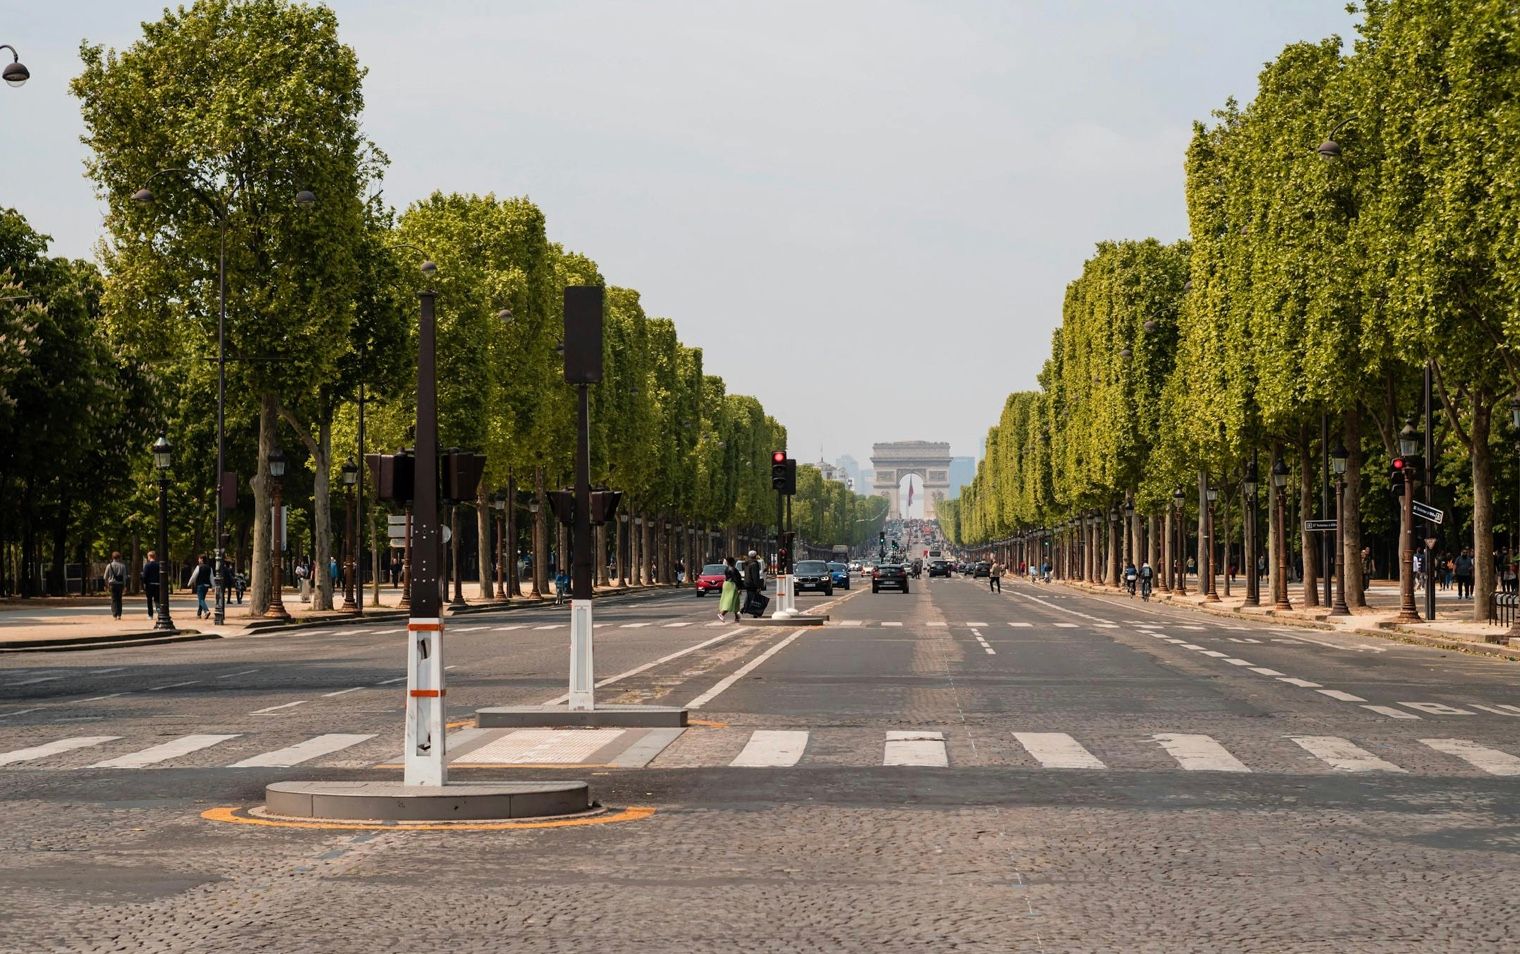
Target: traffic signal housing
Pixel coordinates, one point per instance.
(1398, 476)
(783, 473)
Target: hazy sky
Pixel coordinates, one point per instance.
(865, 213)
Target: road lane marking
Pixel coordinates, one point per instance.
(387, 682)
(1502, 708)
(1058, 750)
(1492, 761)
(550, 626)
(1213, 652)
(634, 625)
(288, 705)
(1021, 625)
(340, 692)
(467, 629)
(98, 672)
(941, 624)
(172, 685)
(891, 623)
(1342, 696)
(34, 680)
(1238, 662)
(1064, 625)
(741, 672)
(771, 748)
(859, 622)
(653, 663)
(968, 624)
(109, 695)
(1391, 712)
(676, 625)
(1342, 755)
(245, 672)
(1436, 708)
(155, 754)
(1300, 683)
(390, 632)
(302, 751)
(1193, 646)
(508, 629)
(54, 748)
(915, 748)
(1264, 671)
(1199, 753)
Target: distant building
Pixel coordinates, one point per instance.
(962, 472)
(851, 467)
(832, 472)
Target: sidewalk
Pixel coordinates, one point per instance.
(85, 622)
(1452, 628)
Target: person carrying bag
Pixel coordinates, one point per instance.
(728, 599)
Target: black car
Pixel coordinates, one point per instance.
(983, 568)
(939, 568)
(889, 575)
(813, 575)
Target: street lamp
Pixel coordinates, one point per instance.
(1410, 440)
(1279, 486)
(1253, 582)
(15, 72)
(162, 456)
(350, 472)
(1338, 468)
(219, 203)
(499, 504)
(276, 598)
(1210, 494)
(1179, 562)
(1129, 533)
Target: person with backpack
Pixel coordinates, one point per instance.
(1147, 575)
(116, 582)
(1131, 577)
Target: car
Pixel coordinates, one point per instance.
(939, 568)
(889, 575)
(982, 568)
(812, 575)
(710, 579)
(841, 575)
(854, 566)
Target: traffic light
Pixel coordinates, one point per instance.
(1397, 476)
(783, 473)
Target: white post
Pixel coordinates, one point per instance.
(426, 728)
(582, 681)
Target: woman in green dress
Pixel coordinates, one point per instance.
(728, 600)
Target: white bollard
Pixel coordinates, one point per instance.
(582, 673)
(426, 727)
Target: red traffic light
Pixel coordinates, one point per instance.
(1399, 463)
(778, 457)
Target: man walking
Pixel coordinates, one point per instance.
(150, 578)
(116, 582)
(754, 585)
(995, 577)
(1465, 566)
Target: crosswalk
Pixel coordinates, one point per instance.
(785, 748)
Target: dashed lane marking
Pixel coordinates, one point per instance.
(1264, 671)
(1064, 625)
(1342, 755)
(1301, 683)
(341, 692)
(288, 705)
(1342, 696)
(33, 681)
(1021, 625)
(173, 685)
(891, 623)
(676, 625)
(1238, 662)
(1391, 712)
(245, 672)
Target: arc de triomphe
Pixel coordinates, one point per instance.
(892, 462)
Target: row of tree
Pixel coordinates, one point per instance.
(1350, 227)
(233, 128)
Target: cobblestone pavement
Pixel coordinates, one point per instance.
(1033, 771)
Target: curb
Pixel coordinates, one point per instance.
(1388, 631)
(114, 641)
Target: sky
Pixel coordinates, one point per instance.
(865, 212)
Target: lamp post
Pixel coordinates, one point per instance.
(499, 504)
(1210, 494)
(219, 203)
(1280, 502)
(1409, 446)
(351, 531)
(1338, 468)
(1179, 565)
(1514, 418)
(1129, 532)
(276, 598)
(15, 72)
(162, 457)
(1253, 582)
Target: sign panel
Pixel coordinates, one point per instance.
(1426, 512)
(1319, 526)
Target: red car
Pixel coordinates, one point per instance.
(710, 579)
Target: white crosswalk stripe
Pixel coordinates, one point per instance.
(1341, 754)
(1058, 750)
(1492, 761)
(915, 748)
(53, 748)
(154, 754)
(1021, 625)
(302, 751)
(1200, 753)
(771, 748)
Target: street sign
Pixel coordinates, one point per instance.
(1318, 526)
(1426, 512)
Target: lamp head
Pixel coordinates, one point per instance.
(1330, 149)
(306, 198)
(15, 72)
(1338, 460)
(350, 473)
(429, 269)
(162, 453)
(1279, 474)
(143, 195)
(277, 463)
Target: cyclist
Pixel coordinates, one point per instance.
(1146, 575)
(1130, 576)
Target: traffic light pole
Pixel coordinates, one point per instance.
(423, 762)
(582, 691)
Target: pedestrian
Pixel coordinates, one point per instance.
(116, 582)
(561, 586)
(332, 573)
(240, 581)
(1418, 564)
(1508, 576)
(1192, 567)
(754, 586)
(680, 569)
(303, 580)
(995, 577)
(728, 599)
(1465, 566)
(228, 582)
(199, 583)
(150, 576)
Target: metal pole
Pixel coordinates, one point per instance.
(1325, 542)
(1279, 524)
(361, 523)
(220, 616)
(1430, 490)
(276, 557)
(425, 739)
(582, 667)
(1340, 608)
(164, 621)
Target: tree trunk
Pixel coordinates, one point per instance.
(514, 587)
(620, 548)
(1483, 507)
(259, 576)
(1310, 541)
(485, 543)
(1275, 559)
(1351, 516)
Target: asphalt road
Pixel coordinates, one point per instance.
(951, 769)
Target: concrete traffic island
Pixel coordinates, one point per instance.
(397, 802)
(601, 717)
(799, 620)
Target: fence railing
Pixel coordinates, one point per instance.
(1501, 608)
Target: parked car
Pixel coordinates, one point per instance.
(812, 575)
(893, 575)
(711, 578)
(939, 568)
(841, 575)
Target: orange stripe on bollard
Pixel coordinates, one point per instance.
(428, 693)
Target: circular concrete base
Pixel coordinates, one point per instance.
(393, 801)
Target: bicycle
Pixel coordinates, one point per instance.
(1145, 589)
